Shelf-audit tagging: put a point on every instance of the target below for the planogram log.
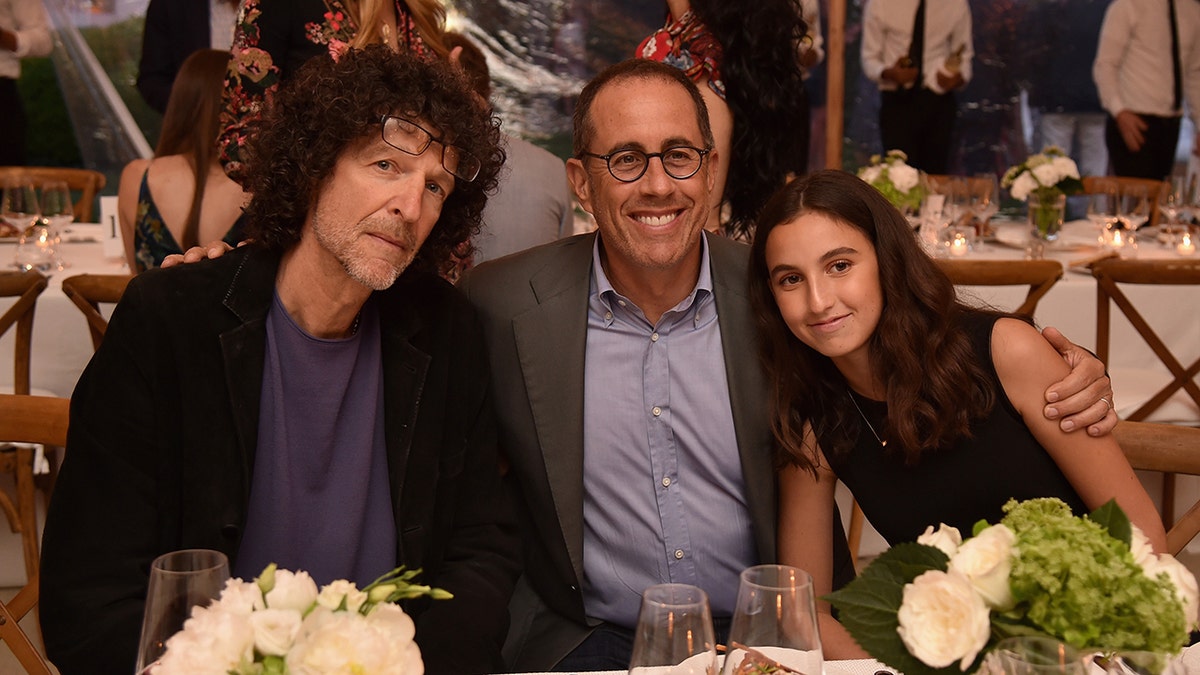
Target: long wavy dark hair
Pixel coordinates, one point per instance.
(330, 104)
(935, 388)
(764, 87)
(191, 124)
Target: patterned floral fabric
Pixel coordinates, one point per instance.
(686, 44)
(152, 241)
(273, 38)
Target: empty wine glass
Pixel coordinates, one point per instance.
(1173, 204)
(56, 204)
(19, 206)
(984, 199)
(674, 632)
(1134, 206)
(1144, 663)
(1035, 655)
(179, 581)
(1102, 206)
(775, 621)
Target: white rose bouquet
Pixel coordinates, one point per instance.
(900, 183)
(938, 605)
(1046, 176)
(280, 623)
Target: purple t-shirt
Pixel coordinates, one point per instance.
(319, 495)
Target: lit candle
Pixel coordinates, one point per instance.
(958, 247)
(1185, 246)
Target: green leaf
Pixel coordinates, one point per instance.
(1112, 518)
(868, 605)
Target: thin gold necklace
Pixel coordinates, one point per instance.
(882, 443)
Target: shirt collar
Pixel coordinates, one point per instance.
(603, 288)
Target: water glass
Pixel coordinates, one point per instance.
(179, 581)
(775, 621)
(1102, 205)
(674, 632)
(1035, 655)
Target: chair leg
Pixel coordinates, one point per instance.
(16, 639)
(27, 508)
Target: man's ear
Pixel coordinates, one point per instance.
(712, 160)
(578, 176)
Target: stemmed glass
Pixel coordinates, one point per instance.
(984, 196)
(19, 205)
(1144, 663)
(674, 632)
(1134, 206)
(1102, 206)
(1035, 655)
(1173, 204)
(775, 621)
(179, 581)
(56, 204)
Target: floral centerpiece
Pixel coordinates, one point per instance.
(938, 605)
(280, 623)
(900, 183)
(1044, 180)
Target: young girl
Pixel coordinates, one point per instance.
(930, 411)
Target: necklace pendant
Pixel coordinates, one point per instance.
(883, 444)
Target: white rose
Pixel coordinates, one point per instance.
(240, 597)
(1047, 175)
(331, 596)
(1140, 547)
(212, 641)
(293, 590)
(870, 174)
(1184, 581)
(943, 620)
(275, 630)
(986, 560)
(946, 539)
(349, 642)
(1023, 185)
(904, 177)
(1065, 167)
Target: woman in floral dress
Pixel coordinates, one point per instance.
(274, 37)
(747, 59)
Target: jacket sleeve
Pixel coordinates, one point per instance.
(101, 528)
(157, 67)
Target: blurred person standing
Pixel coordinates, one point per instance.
(24, 31)
(532, 204)
(919, 52)
(1147, 65)
(174, 30)
(747, 60)
(187, 199)
(272, 38)
(1069, 112)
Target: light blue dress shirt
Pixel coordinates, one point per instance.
(664, 498)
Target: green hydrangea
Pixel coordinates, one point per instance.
(1071, 579)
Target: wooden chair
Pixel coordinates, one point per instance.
(1111, 272)
(86, 182)
(1094, 184)
(87, 291)
(26, 287)
(1171, 449)
(27, 419)
(1039, 275)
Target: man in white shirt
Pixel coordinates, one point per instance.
(918, 73)
(1135, 76)
(24, 31)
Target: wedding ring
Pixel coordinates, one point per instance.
(1107, 402)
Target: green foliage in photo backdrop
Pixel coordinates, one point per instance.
(50, 140)
(118, 48)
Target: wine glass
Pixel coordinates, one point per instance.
(179, 581)
(18, 205)
(1173, 204)
(1144, 663)
(674, 632)
(1102, 206)
(37, 249)
(984, 199)
(1134, 206)
(1035, 655)
(56, 204)
(775, 620)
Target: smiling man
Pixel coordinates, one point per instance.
(317, 399)
(632, 409)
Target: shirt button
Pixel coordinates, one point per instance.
(666, 481)
(621, 303)
(679, 554)
(654, 337)
(656, 411)
(608, 316)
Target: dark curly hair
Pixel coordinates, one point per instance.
(935, 387)
(328, 105)
(764, 88)
(633, 69)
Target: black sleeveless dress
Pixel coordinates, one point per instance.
(959, 485)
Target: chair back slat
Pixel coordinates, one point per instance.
(25, 287)
(1039, 275)
(1094, 184)
(88, 291)
(1170, 449)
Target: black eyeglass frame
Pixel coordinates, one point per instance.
(463, 154)
(649, 156)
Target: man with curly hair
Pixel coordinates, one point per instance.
(318, 399)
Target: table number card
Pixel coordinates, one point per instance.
(114, 247)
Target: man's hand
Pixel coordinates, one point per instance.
(1132, 128)
(197, 253)
(1084, 397)
(902, 72)
(949, 81)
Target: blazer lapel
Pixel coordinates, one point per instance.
(747, 387)
(558, 326)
